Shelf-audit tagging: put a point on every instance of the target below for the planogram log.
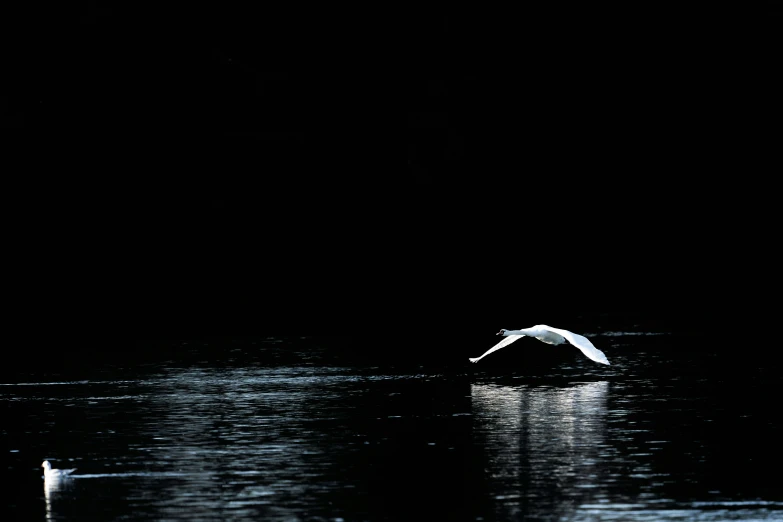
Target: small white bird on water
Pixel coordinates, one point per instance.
(54, 474)
(548, 335)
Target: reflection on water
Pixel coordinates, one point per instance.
(544, 446)
(53, 489)
(259, 442)
(254, 441)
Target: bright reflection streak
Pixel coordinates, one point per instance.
(542, 443)
(52, 487)
(273, 418)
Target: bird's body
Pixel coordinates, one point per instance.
(54, 474)
(548, 335)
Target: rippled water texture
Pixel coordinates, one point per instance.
(656, 436)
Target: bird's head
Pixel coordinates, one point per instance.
(46, 465)
(502, 331)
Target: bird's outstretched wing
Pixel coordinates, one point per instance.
(583, 343)
(505, 342)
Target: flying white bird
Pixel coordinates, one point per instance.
(54, 474)
(548, 335)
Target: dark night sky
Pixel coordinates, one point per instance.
(221, 170)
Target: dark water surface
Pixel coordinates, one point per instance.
(661, 435)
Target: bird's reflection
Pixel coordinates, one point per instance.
(541, 443)
(52, 488)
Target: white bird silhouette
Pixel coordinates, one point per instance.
(548, 335)
(54, 474)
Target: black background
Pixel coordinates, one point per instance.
(227, 171)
